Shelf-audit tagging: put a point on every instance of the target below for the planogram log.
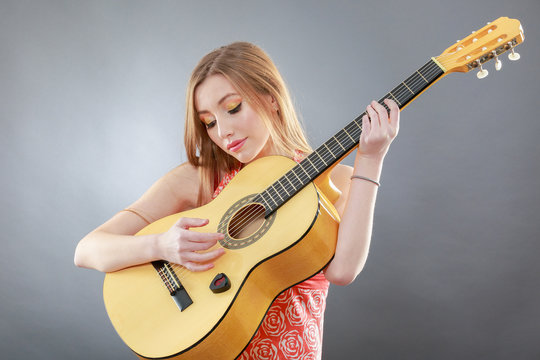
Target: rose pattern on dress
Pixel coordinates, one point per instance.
(274, 324)
(312, 335)
(296, 311)
(291, 344)
(317, 301)
(264, 349)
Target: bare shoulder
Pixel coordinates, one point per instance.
(175, 191)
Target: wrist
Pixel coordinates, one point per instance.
(370, 166)
(155, 246)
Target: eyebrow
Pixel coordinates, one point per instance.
(219, 102)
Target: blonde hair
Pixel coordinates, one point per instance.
(253, 74)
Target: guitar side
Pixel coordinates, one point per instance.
(299, 243)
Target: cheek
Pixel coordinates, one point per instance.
(212, 134)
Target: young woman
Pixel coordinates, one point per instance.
(239, 110)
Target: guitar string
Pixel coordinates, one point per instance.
(431, 69)
(410, 84)
(248, 217)
(287, 188)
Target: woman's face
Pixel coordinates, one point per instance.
(230, 121)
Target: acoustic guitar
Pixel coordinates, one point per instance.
(280, 228)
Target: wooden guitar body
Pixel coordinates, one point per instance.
(299, 241)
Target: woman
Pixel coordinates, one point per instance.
(239, 110)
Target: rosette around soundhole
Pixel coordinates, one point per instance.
(244, 223)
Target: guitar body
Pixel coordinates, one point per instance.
(291, 245)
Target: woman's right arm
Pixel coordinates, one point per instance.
(113, 246)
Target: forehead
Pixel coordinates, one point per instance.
(211, 91)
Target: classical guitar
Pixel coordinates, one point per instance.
(280, 228)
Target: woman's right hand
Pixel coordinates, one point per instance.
(179, 245)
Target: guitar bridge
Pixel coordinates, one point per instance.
(173, 284)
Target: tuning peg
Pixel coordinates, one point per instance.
(483, 72)
(498, 63)
(514, 55)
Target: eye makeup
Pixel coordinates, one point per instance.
(233, 104)
(208, 119)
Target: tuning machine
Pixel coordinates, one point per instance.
(498, 63)
(483, 72)
(514, 56)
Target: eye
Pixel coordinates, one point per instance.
(210, 124)
(235, 109)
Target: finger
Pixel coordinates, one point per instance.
(373, 117)
(186, 223)
(394, 114)
(199, 246)
(203, 257)
(382, 113)
(366, 126)
(195, 267)
(198, 237)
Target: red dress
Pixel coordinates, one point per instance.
(293, 326)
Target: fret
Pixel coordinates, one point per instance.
(315, 163)
(308, 159)
(339, 143)
(326, 146)
(283, 187)
(408, 88)
(353, 130)
(278, 190)
(286, 176)
(422, 76)
(403, 93)
(350, 137)
(306, 163)
(399, 102)
(331, 144)
(265, 202)
(304, 170)
(343, 141)
(320, 157)
(415, 83)
(300, 180)
(269, 192)
(357, 123)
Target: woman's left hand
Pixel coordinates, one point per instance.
(378, 129)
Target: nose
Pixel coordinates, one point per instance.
(224, 128)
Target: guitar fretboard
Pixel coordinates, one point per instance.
(342, 142)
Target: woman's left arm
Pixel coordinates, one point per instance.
(357, 201)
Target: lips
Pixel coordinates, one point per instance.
(236, 145)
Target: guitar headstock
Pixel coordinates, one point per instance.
(483, 45)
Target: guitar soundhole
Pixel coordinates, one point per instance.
(246, 221)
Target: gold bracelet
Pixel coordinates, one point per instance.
(365, 178)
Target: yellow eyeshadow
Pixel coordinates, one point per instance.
(232, 104)
(207, 119)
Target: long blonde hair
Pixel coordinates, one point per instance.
(253, 74)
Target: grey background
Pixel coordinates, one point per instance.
(91, 109)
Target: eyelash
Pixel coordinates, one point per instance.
(232, 111)
(236, 109)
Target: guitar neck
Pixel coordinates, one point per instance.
(343, 141)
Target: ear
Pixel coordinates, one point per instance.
(273, 102)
